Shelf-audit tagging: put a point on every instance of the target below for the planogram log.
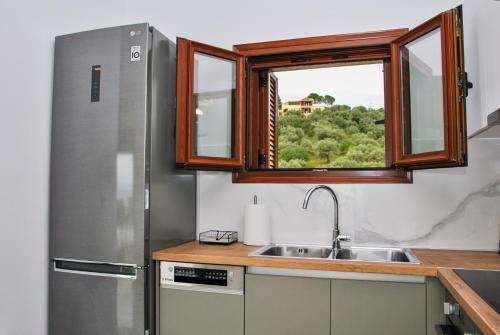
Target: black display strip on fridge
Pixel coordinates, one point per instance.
(95, 87)
(95, 268)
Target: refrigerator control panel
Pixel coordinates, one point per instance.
(202, 277)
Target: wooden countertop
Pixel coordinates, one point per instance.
(237, 254)
(433, 263)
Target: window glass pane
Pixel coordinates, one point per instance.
(331, 117)
(422, 94)
(214, 107)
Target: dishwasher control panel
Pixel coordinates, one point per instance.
(202, 277)
(184, 274)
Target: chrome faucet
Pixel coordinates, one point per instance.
(337, 237)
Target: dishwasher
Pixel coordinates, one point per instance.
(201, 299)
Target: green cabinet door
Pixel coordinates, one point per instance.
(185, 312)
(435, 298)
(276, 305)
(377, 308)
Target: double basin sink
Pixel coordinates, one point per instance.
(363, 254)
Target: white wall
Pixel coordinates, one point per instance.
(481, 33)
(28, 29)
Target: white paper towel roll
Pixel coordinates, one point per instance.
(257, 228)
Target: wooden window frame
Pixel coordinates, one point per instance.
(319, 50)
(185, 117)
(451, 155)
(250, 121)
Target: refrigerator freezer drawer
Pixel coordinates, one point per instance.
(82, 304)
(96, 268)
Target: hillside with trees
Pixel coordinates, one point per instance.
(338, 136)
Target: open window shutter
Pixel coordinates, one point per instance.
(429, 91)
(272, 150)
(268, 143)
(210, 115)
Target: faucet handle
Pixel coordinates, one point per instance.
(345, 238)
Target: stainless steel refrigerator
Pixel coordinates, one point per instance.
(115, 195)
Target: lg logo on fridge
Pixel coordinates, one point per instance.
(135, 53)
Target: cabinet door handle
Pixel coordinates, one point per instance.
(451, 308)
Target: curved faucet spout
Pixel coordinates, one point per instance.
(335, 202)
(336, 233)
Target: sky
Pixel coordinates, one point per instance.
(349, 85)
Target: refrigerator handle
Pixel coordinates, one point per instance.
(117, 270)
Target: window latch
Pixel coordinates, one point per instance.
(464, 85)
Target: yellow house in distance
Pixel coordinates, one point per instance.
(305, 105)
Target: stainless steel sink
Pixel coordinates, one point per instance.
(292, 251)
(361, 254)
(384, 255)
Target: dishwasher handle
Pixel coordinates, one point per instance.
(202, 288)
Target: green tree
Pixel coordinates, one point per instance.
(376, 132)
(367, 154)
(291, 134)
(307, 145)
(322, 129)
(352, 129)
(325, 130)
(343, 163)
(316, 97)
(329, 100)
(292, 164)
(290, 151)
(356, 115)
(296, 119)
(327, 148)
(363, 139)
(361, 108)
(345, 144)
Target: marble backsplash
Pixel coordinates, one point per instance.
(456, 208)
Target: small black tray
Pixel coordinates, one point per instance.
(218, 237)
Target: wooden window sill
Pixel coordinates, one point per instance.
(379, 176)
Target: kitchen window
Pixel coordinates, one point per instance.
(310, 130)
(236, 110)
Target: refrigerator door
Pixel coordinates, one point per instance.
(99, 152)
(98, 304)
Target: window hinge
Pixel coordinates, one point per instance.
(262, 158)
(262, 82)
